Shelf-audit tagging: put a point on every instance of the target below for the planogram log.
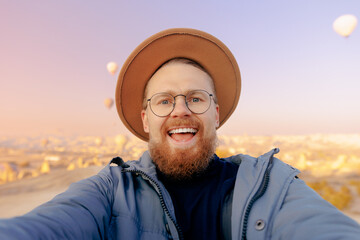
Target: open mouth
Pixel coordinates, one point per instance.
(182, 134)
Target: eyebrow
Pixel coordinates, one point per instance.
(172, 92)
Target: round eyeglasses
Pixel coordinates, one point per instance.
(197, 101)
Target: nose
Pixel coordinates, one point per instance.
(180, 109)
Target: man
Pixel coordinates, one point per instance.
(174, 91)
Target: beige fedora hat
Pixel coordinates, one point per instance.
(196, 45)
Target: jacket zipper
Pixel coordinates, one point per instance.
(162, 202)
(258, 194)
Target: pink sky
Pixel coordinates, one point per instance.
(299, 76)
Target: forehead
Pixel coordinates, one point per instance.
(178, 77)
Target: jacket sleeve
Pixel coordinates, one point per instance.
(81, 212)
(305, 215)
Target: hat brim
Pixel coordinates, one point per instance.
(196, 45)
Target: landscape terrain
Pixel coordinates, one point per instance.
(35, 169)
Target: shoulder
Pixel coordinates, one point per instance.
(258, 165)
(303, 214)
(119, 175)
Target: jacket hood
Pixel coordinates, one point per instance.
(144, 164)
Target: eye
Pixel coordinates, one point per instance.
(196, 97)
(195, 100)
(164, 101)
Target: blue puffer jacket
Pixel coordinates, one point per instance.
(126, 201)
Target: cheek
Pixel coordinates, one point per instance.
(213, 119)
(155, 126)
(209, 124)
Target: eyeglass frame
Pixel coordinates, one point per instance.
(186, 103)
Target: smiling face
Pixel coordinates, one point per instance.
(182, 143)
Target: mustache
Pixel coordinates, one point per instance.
(181, 122)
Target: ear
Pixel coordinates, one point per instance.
(145, 122)
(217, 116)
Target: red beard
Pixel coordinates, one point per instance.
(183, 164)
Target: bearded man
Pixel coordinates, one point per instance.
(182, 142)
(174, 91)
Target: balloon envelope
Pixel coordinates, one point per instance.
(112, 67)
(345, 25)
(108, 102)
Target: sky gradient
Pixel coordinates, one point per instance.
(298, 75)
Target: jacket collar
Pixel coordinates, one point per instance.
(144, 164)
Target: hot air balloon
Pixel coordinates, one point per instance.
(112, 67)
(345, 25)
(108, 102)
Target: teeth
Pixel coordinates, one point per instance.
(183, 130)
